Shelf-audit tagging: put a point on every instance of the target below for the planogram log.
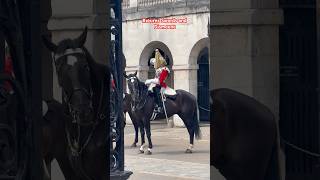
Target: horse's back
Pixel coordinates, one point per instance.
(244, 133)
(185, 94)
(242, 107)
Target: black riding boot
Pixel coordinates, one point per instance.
(157, 97)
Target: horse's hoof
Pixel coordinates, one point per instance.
(134, 145)
(141, 151)
(189, 151)
(148, 153)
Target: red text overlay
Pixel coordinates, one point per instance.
(165, 23)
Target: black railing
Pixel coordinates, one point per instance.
(20, 97)
(116, 113)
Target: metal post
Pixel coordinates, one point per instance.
(36, 89)
(30, 19)
(116, 62)
(22, 31)
(2, 51)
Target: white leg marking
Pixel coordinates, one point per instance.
(142, 147)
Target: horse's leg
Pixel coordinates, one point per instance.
(188, 123)
(136, 129)
(148, 131)
(67, 170)
(191, 138)
(142, 138)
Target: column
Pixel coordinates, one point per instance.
(46, 58)
(185, 77)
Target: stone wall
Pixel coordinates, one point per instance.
(244, 40)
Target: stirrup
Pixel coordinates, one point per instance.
(157, 109)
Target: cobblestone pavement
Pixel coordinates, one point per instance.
(168, 160)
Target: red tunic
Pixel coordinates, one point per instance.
(163, 76)
(8, 69)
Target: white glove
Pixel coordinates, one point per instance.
(155, 81)
(147, 82)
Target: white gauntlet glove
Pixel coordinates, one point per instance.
(148, 81)
(154, 81)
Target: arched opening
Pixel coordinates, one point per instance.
(199, 56)
(149, 52)
(151, 71)
(203, 84)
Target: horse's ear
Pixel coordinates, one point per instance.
(135, 74)
(124, 74)
(82, 38)
(50, 45)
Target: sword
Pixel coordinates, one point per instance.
(164, 107)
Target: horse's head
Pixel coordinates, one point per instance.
(74, 76)
(134, 85)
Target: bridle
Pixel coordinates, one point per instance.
(75, 143)
(72, 110)
(138, 103)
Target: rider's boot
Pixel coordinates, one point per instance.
(157, 95)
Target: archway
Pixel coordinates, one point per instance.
(203, 84)
(148, 52)
(199, 56)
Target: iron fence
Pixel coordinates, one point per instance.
(125, 4)
(116, 129)
(147, 3)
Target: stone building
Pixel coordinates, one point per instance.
(186, 47)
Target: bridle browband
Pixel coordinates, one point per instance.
(68, 52)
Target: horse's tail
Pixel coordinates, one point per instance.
(196, 126)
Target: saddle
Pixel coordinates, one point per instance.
(169, 93)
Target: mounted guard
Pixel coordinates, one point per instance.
(157, 84)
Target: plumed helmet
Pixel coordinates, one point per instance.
(159, 60)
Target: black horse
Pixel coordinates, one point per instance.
(142, 105)
(84, 85)
(244, 143)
